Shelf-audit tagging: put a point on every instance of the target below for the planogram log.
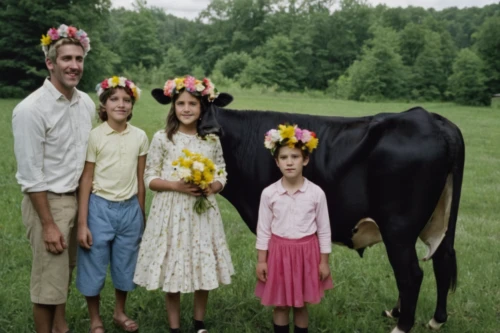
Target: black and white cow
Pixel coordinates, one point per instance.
(391, 177)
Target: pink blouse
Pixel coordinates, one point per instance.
(294, 216)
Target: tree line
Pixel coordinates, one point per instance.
(357, 51)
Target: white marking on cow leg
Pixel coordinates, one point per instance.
(434, 231)
(434, 325)
(397, 330)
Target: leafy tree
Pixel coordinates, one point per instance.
(256, 72)
(429, 79)
(24, 21)
(411, 42)
(137, 42)
(175, 63)
(488, 48)
(232, 64)
(467, 84)
(278, 67)
(380, 73)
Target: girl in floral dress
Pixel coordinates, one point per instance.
(183, 251)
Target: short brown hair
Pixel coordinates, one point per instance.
(305, 152)
(52, 54)
(101, 109)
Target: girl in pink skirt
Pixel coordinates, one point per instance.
(293, 233)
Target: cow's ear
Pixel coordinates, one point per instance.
(160, 96)
(223, 99)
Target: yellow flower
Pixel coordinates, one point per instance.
(186, 162)
(292, 141)
(115, 80)
(179, 83)
(312, 144)
(46, 40)
(287, 131)
(196, 177)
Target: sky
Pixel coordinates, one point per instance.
(190, 8)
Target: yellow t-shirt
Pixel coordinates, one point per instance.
(115, 156)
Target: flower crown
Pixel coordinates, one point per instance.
(121, 81)
(65, 32)
(292, 136)
(197, 87)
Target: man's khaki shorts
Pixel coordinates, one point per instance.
(51, 273)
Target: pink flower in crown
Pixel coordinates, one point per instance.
(80, 34)
(85, 43)
(71, 32)
(306, 136)
(298, 133)
(209, 87)
(169, 88)
(190, 83)
(53, 34)
(268, 140)
(104, 84)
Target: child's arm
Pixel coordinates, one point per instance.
(263, 236)
(152, 172)
(84, 189)
(261, 268)
(220, 180)
(141, 189)
(324, 236)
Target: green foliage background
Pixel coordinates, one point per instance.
(359, 51)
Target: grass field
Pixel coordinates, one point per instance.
(364, 287)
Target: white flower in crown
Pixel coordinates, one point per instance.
(122, 81)
(63, 30)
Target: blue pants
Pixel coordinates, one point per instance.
(116, 229)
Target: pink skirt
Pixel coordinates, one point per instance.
(293, 273)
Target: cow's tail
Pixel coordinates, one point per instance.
(456, 149)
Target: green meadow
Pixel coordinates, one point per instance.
(364, 287)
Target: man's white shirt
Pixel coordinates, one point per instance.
(50, 139)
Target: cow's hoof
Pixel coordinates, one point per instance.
(394, 313)
(397, 330)
(434, 325)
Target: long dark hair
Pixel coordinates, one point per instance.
(173, 123)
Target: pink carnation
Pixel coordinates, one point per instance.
(190, 83)
(306, 136)
(298, 133)
(104, 84)
(71, 31)
(85, 42)
(53, 34)
(168, 90)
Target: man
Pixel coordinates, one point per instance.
(51, 129)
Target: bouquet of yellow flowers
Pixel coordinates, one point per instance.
(199, 170)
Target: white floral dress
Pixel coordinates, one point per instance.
(182, 251)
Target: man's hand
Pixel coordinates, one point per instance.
(53, 238)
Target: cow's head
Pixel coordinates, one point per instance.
(208, 123)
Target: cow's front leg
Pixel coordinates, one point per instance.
(409, 276)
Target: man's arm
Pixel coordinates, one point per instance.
(52, 236)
